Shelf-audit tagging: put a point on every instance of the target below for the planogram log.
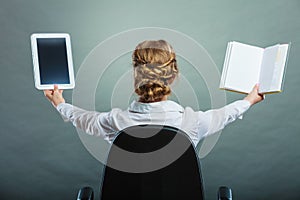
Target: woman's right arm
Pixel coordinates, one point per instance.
(215, 120)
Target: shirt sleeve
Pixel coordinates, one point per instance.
(91, 122)
(215, 120)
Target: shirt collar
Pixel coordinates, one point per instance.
(155, 107)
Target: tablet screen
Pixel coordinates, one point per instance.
(53, 61)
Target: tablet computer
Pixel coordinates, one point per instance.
(52, 60)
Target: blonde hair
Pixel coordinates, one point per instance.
(155, 68)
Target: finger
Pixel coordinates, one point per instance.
(47, 92)
(55, 88)
(48, 95)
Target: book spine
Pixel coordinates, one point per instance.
(225, 65)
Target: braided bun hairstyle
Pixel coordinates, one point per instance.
(155, 68)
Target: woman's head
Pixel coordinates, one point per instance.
(155, 68)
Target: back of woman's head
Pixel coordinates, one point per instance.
(155, 68)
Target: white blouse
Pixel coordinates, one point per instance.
(197, 124)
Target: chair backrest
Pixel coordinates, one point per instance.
(152, 162)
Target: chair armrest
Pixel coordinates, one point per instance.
(224, 193)
(85, 193)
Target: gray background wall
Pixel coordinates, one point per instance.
(43, 158)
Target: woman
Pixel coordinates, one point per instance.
(155, 68)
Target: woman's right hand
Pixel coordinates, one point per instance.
(254, 97)
(55, 96)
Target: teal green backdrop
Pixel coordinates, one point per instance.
(43, 158)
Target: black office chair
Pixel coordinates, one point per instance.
(152, 162)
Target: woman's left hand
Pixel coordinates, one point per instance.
(55, 96)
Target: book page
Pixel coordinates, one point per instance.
(243, 67)
(280, 65)
(272, 69)
(268, 69)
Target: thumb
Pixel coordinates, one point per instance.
(256, 87)
(56, 90)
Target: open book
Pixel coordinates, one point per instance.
(245, 65)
